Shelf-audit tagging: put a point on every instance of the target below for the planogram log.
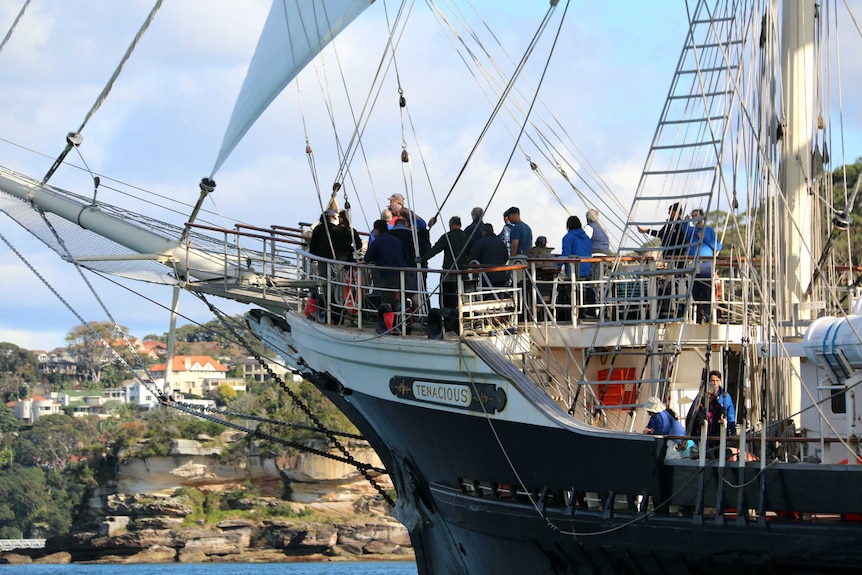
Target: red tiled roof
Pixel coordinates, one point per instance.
(151, 344)
(179, 363)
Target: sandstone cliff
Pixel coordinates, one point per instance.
(192, 507)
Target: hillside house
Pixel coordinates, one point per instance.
(83, 402)
(251, 368)
(58, 361)
(154, 349)
(137, 394)
(29, 410)
(235, 383)
(189, 372)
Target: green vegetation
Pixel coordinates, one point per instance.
(48, 468)
(18, 369)
(44, 475)
(848, 245)
(210, 507)
(91, 344)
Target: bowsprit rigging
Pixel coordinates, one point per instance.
(220, 416)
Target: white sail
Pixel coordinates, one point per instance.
(294, 33)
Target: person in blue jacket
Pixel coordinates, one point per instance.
(705, 245)
(662, 419)
(576, 242)
(717, 403)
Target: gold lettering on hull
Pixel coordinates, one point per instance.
(479, 397)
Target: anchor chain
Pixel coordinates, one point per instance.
(299, 403)
(232, 413)
(199, 411)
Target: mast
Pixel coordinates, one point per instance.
(794, 264)
(798, 113)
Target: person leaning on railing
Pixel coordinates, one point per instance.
(671, 234)
(320, 243)
(454, 245)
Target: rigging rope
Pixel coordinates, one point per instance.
(149, 385)
(494, 113)
(73, 139)
(203, 413)
(14, 25)
(605, 196)
(298, 402)
(164, 400)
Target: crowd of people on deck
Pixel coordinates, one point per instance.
(477, 246)
(477, 243)
(400, 238)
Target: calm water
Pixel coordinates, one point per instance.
(339, 568)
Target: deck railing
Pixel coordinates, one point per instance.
(272, 261)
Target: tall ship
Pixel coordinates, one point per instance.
(516, 405)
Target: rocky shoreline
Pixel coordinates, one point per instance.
(230, 541)
(191, 508)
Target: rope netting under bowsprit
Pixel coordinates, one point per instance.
(82, 243)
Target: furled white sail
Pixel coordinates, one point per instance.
(294, 33)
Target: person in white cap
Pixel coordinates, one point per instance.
(662, 419)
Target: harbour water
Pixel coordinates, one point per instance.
(318, 568)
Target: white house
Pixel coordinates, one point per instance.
(189, 372)
(32, 408)
(138, 394)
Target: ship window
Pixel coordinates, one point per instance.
(839, 401)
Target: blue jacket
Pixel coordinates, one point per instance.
(389, 251)
(724, 400)
(663, 423)
(708, 247)
(578, 243)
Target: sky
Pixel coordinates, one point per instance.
(161, 126)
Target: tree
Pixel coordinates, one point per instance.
(91, 345)
(8, 422)
(18, 361)
(55, 440)
(852, 172)
(225, 394)
(851, 241)
(30, 495)
(65, 497)
(17, 365)
(214, 330)
(22, 494)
